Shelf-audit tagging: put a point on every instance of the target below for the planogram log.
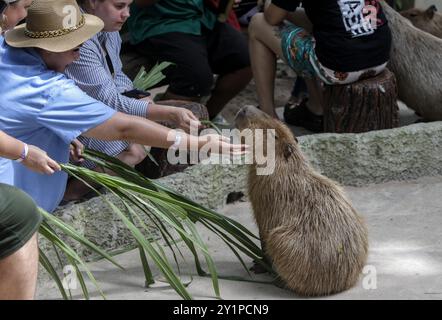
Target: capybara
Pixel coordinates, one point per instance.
(309, 230)
(427, 20)
(416, 61)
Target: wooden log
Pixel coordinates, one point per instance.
(366, 105)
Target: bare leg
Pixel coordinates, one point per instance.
(226, 88)
(18, 273)
(76, 189)
(265, 47)
(316, 97)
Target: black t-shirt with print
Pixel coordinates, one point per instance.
(346, 39)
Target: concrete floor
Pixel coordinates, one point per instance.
(405, 261)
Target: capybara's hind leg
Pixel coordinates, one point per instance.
(285, 248)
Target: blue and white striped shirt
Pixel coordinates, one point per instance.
(92, 74)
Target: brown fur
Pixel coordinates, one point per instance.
(415, 61)
(314, 237)
(427, 20)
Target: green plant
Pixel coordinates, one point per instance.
(48, 229)
(174, 216)
(146, 80)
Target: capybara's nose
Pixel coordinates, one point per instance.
(241, 113)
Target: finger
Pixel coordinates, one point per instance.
(240, 153)
(224, 139)
(47, 170)
(79, 150)
(194, 122)
(239, 147)
(54, 165)
(192, 116)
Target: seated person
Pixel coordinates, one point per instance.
(40, 106)
(188, 34)
(331, 42)
(99, 73)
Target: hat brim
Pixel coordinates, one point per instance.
(17, 38)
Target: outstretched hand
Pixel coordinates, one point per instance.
(184, 119)
(221, 145)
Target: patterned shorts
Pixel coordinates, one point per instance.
(298, 47)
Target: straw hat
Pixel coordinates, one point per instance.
(54, 25)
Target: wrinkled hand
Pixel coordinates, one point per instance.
(184, 119)
(37, 160)
(76, 151)
(221, 145)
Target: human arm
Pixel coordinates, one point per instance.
(92, 76)
(278, 10)
(274, 15)
(37, 160)
(146, 132)
(181, 117)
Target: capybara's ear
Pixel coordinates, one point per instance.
(289, 149)
(431, 11)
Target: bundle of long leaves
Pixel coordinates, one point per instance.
(51, 228)
(145, 80)
(173, 215)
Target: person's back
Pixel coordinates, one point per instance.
(165, 16)
(350, 35)
(333, 42)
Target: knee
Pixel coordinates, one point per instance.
(134, 155)
(255, 24)
(138, 154)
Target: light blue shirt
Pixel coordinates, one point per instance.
(42, 107)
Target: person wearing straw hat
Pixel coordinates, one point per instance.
(41, 106)
(99, 73)
(19, 216)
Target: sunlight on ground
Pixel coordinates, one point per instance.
(404, 258)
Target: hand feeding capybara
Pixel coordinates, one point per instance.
(415, 60)
(315, 239)
(427, 20)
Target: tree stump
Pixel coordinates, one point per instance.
(366, 105)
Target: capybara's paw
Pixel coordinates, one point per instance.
(278, 282)
(258, 268)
